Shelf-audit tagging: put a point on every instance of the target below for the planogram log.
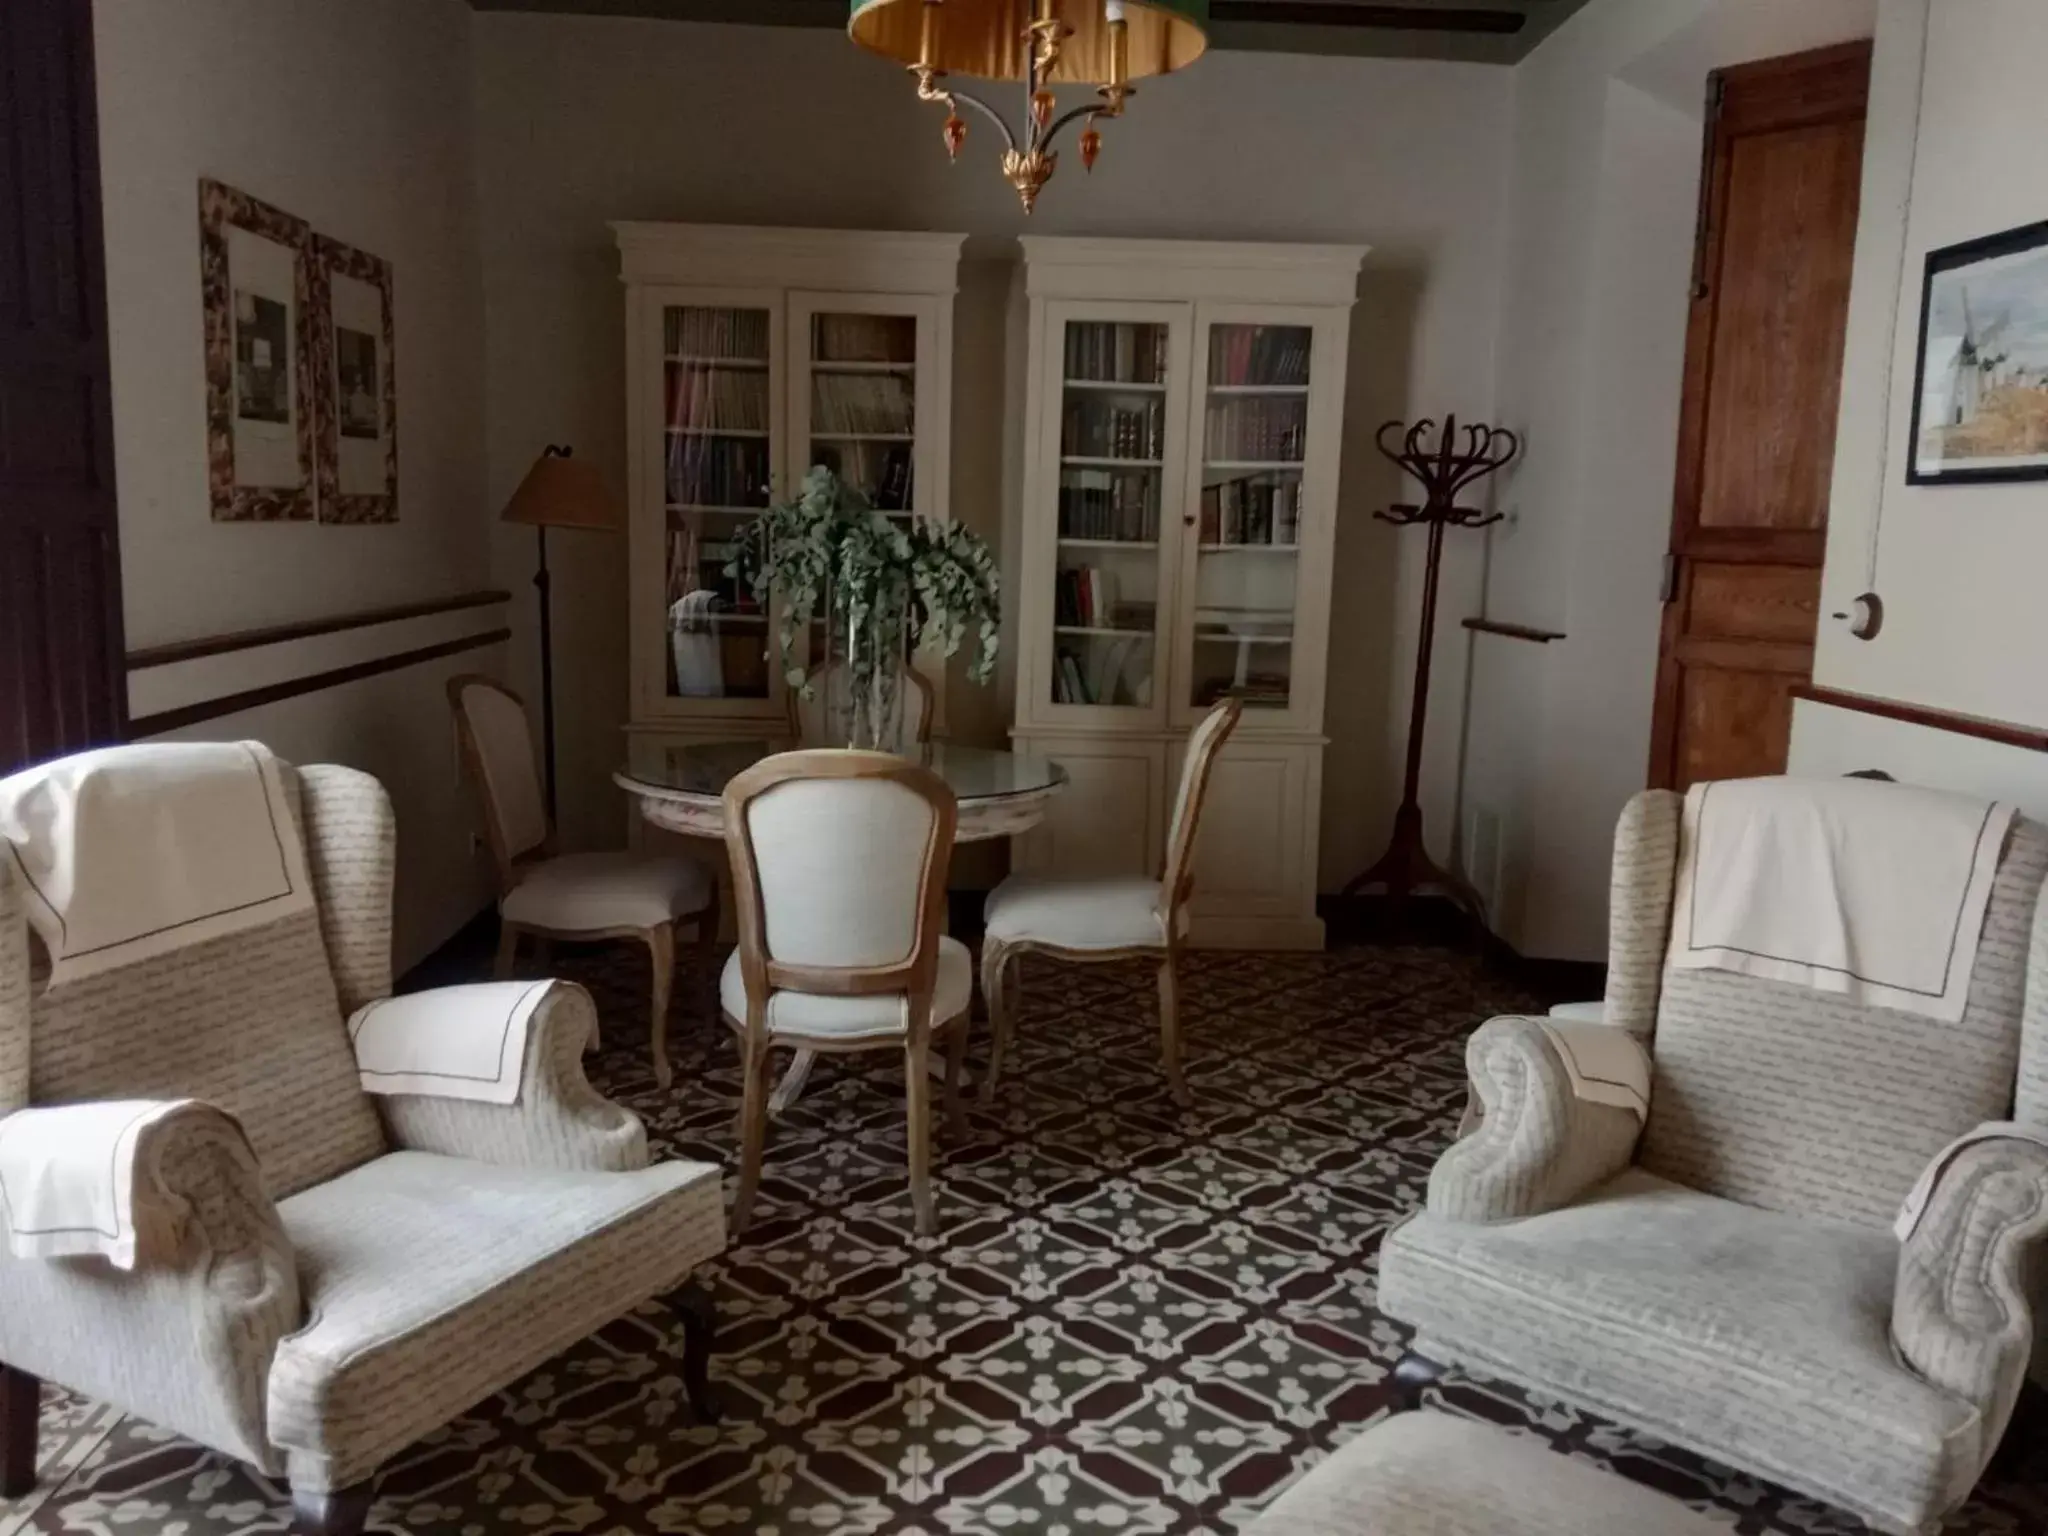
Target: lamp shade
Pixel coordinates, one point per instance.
(986, 38)
(563, 492)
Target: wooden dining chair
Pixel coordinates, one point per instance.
(820, 720)
(1090, 921)
(545, 895)
(839, 866)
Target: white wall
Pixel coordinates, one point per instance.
(1607, 132)
(1958, 118)
(580, 120)
(354, 117)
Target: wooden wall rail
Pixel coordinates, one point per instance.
(277, 634)
(2029, 737)
(1513, 631)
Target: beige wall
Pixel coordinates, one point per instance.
(356, 118)
(584, 120)
(1958, 118)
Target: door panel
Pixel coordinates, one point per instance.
(63, 684)
(1756, 439)
(1108, 819)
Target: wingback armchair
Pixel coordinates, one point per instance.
(1729, 1280)
(328, 1276)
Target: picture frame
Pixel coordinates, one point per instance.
(357, 395)
(256, 290)
(1980, 382)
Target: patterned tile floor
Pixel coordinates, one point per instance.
(1133, 1319)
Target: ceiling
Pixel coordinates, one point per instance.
(1488, 31)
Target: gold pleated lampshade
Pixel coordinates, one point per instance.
(986, 38)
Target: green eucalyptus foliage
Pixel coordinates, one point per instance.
(885, 587)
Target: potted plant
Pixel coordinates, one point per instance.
(884, 586)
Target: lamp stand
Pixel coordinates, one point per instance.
(547, 671)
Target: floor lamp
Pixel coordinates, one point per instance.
(558, 492)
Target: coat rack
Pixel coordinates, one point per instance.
(1446, 472)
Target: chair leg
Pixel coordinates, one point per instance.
(661, 953)
(917, 1095)
(753, 1132)
(995, 965)
(508, 951)
(1413, 1375)
(338, 1512)
(956, 1058)
(699, 1316)
(1169, 1030)
(20, 1399)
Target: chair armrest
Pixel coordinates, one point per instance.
(1961, 1314)
(184, 1339)
(1537, 1146)
(559, 1120)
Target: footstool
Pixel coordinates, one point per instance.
(1427, 1474)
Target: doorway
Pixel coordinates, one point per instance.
(1756, 443)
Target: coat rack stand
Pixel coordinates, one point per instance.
(1446, 472)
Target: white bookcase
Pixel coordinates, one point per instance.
(1182, 412)
(751, 355)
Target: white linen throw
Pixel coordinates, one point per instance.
(131, 852)
(1871, 890)
(450, 1043)
(1605, 1063)
(67, 1178)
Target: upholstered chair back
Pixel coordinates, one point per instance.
(1177, 874)
(1795, 1100)
(252, 1022)
(839, 870)
(824, 719)
(497, 750)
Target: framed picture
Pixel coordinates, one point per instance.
(358, 403)
(1980, 393)
(256, 289)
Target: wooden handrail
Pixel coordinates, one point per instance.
(305, 629)
(2032, 738)
(1513, 631)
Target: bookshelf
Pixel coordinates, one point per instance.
(753, 354)
(1180, 408)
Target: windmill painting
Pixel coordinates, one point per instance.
(1980, 403)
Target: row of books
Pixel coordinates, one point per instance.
(1098, 429)
(740, 334)
(1116, 352)
(864, 338)
(1261, 428)
(696, 563)
(1259, 690)
(862, 402)
(883, 472)
(1109, 504)
(1104, 669)
(712, 399)
(1259, 354)
(1084, 596)
(1252, 512)
(718, 471)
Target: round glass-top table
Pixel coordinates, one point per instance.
(681, 788)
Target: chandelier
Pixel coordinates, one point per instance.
(1043, 43)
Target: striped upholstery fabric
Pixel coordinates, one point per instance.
(1796, 1100)
(429, 1283)
(14, 1007)
(352, 850)
(1639, 908)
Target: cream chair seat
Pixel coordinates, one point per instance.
(1113, 913)
(580, 892)
(1124, 918)
(870, 1017)
(545, 895)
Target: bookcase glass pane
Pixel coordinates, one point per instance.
(864, 404)
(718, 461)
(1255, 436)
(1112, 447)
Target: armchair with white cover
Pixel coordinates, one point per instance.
(318, 1276)
(1730, 1276)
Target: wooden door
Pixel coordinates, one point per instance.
(62, 678)
(1756, 445)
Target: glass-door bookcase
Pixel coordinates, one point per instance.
(752, 355)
